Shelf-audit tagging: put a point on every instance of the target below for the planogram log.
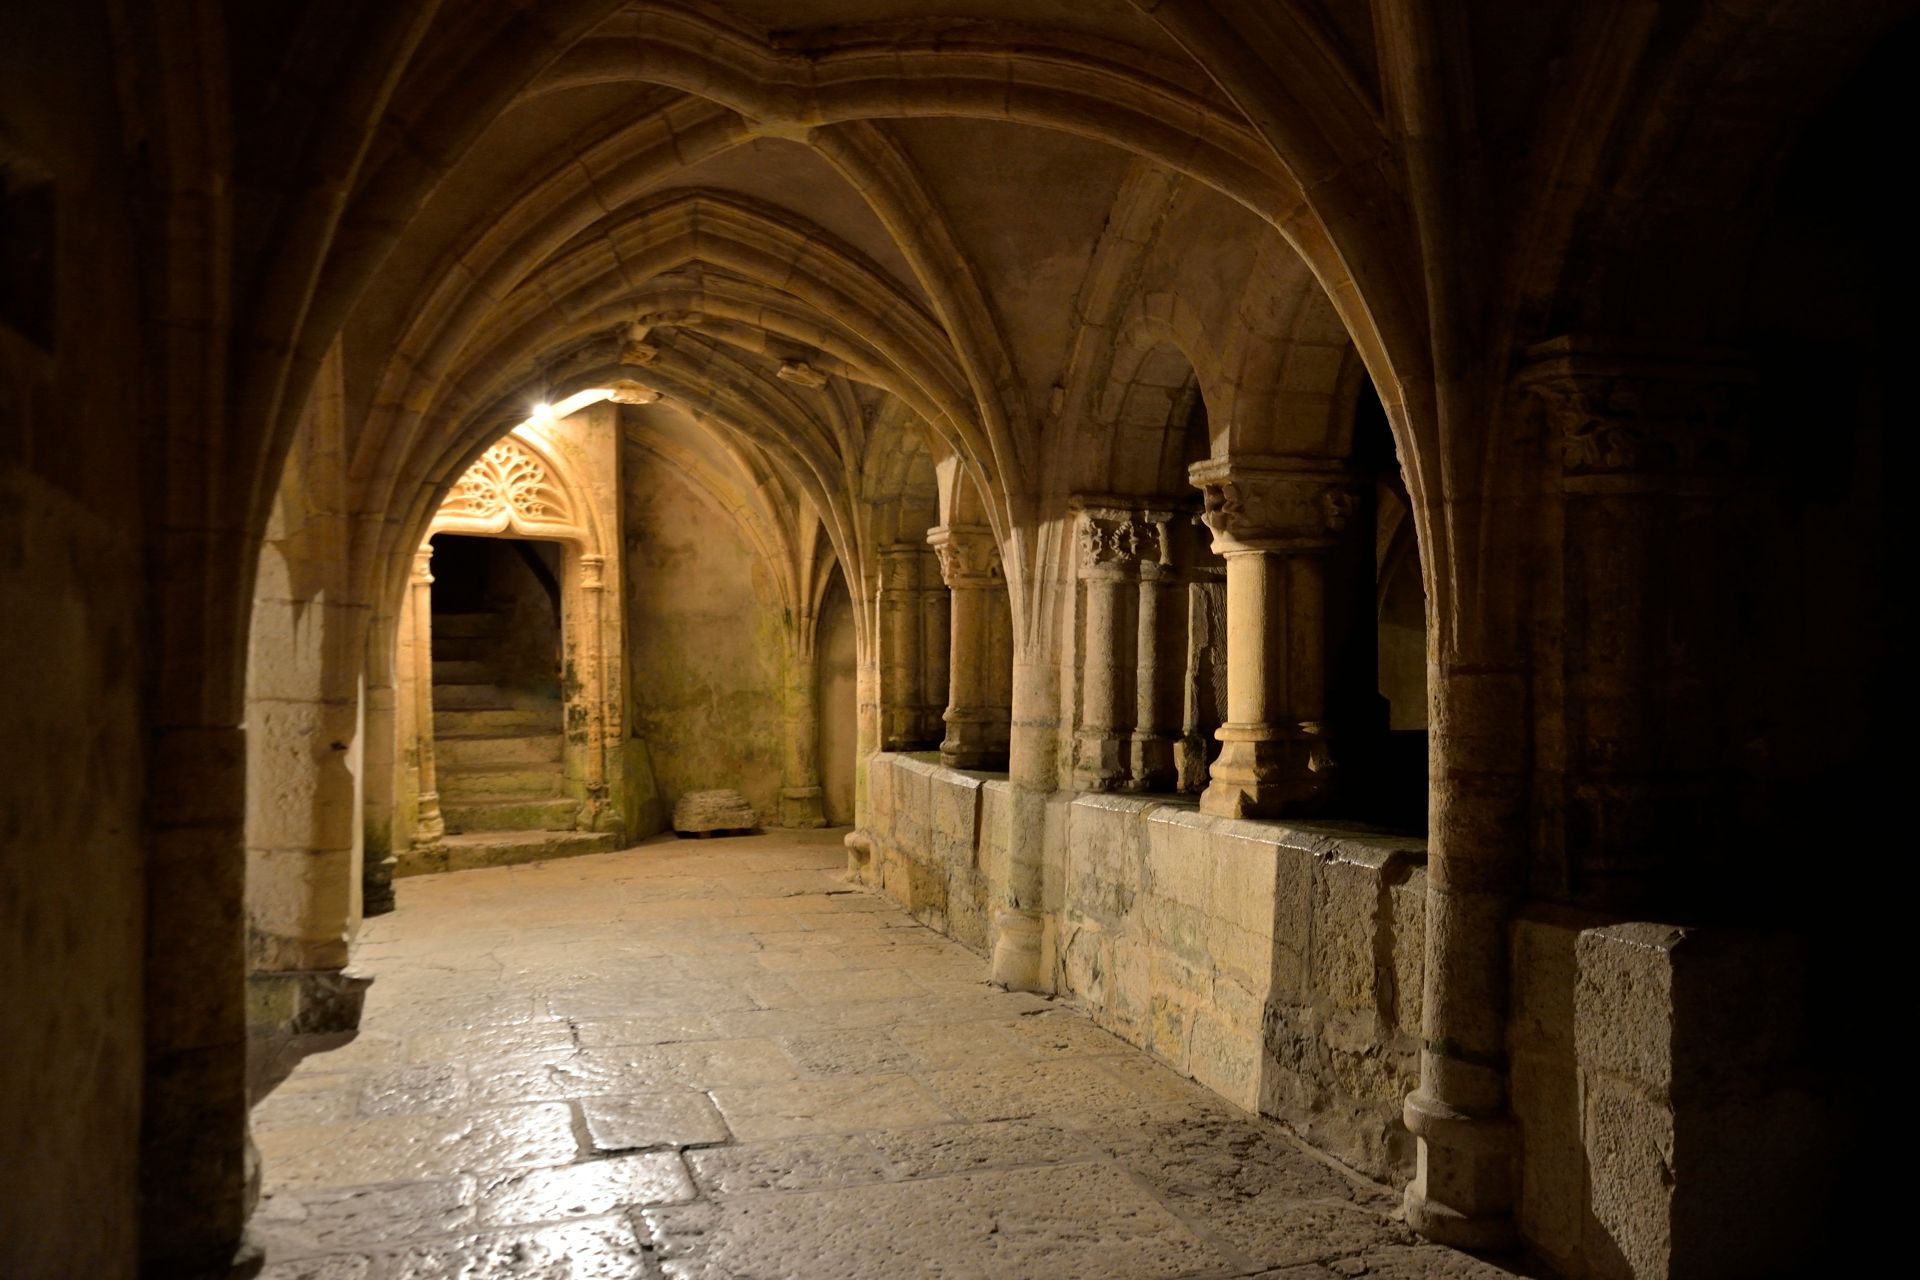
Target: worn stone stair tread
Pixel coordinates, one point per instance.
(472, 849)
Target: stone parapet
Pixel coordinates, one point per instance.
(1278, 964)
(1645, 1154)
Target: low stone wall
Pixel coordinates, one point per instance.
(1644, 1156)
(1277, 964)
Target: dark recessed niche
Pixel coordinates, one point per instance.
(26, 250)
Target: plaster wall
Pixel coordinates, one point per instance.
(704, 643)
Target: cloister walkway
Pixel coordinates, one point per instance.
(713, 1059)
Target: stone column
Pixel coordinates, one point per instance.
(1108, 558)
(1204, 680)
(1158, 665)
(801, 793)
(936, 637)
(376, 874)
(902, 665)
(978, 679)
(428, 828)
(589, 641)
(1652, 490)
(1272, 518)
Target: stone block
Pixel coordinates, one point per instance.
(967, 907)
(993, 831)
(1545, 1093)
(1056, 816)
(1630, 1160)
(1225, 1057)
(1346, 934)
(1623, 1003)
(720, 809)
(913, 807)
(1239, 955)
(1409, 908)
(1107, 859)
(1130, 988)
(1086, 959)
(1292, 926)
(1242, 883)
(1544, 975)
(1178, 855)
(881, 771)
(955, 819)
(1698, 1133)
(1180, 931)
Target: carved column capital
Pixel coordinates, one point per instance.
(1119, 539)
(423, 565)
(969, 556)
(1270, 502)
(593, 573)
(1623, 414)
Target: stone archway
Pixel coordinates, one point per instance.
(525, 486)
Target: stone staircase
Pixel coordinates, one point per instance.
(498, 754)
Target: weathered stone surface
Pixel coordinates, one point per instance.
(881, 1115)
(1069, 1220)
(715, 810)
(789, 1164)
(583, 1190)
(634, 1122)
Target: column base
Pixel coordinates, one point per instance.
(1263, 772)
(802, 807)
(376, 886)
(429, 828)
(859, 856)
(1463, 1190)
(1099, 761)
(1016, 951)
(1150, 764)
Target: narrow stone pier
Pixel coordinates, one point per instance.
(719, 1061)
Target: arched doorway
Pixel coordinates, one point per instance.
(512, 715)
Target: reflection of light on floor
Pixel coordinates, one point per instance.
(713, 1053)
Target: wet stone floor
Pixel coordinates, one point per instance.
(712, 1059)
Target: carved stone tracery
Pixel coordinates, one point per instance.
(507, 485)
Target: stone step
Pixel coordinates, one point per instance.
(463, 648)
(505, 848)
(507, 813)
(490, 625)
(461, 785)
(479, 722)
(462, 671)
(521, 750)
(469, 697)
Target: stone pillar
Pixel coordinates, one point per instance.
(902, 665)
(1157, 667)
(588, 641)
(1652, 489)
(1204, 680)
(1463, 1187)
(376, 871)
(1272, 518)
(936, 637)
(801, 793)
(1106, 564)
(428, 828)
(979, 657)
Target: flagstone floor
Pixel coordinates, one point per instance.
(713, 1059)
